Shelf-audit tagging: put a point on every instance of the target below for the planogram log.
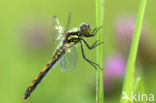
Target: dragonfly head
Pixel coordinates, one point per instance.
(85, 29)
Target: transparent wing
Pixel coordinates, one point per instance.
(57, 29)
(68, 23)
(69, 60)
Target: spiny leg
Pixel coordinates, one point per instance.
(95, 31)
(86, 58)
(93, 45)
(90, 62)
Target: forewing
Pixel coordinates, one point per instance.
(68, 24)
(57, 29)
(69, 60)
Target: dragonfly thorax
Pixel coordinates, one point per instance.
(85, 29)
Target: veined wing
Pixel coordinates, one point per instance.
(68, 24)
(57, 29)
(69, 60)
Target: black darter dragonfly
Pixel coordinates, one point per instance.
(65, 52)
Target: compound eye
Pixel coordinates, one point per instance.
(84, 26)
(88, 26)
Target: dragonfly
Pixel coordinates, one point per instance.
(65, 53)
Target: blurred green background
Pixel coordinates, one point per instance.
(26, 47)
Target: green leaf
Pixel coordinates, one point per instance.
(130, 70)
(139, 89)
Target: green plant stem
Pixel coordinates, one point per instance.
(129, 76)
(99, 72)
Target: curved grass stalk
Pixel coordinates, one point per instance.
(130, 71)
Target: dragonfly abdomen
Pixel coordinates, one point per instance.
(58, 54)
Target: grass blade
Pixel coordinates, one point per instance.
(139, 88)
(99, 72)
(129, 76)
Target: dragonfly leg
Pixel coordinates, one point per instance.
(93, 45)
(90, 62)
(95, 30)
(94, 33)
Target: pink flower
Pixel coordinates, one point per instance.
(124, 29)
(114, 66)
(114, 69)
